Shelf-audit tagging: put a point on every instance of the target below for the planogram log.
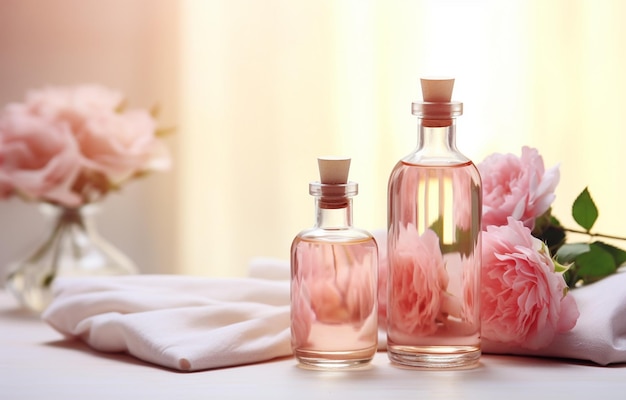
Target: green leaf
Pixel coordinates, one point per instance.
(595, 264)
(584, 210)
(619, 255)
(570, 251)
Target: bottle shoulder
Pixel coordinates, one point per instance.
(436, 164)
(351, 234)
(461, 172)
(424, 158)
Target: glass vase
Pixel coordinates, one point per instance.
(72, 247)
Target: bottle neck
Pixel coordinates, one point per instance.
(333, 204)
(436, 140)
(333, 215)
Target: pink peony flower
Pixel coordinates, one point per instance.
(74, 105)
(524, 300)
(73, 145)
(417, 280)
(121, 145)
(39, 159)
(516, 187)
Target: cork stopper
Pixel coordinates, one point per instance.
(437, 109)
(333, 190)
(333, 170)
(437, 90)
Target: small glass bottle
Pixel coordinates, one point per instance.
(334, 278)
(434, 243)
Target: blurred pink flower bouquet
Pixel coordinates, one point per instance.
(72, 145)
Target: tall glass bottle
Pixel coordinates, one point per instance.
(334, 275)
(434, 239)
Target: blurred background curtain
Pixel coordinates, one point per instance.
(258, 89)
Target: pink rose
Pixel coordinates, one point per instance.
(122, 145)
(72, 145)
(524, 299)
(516, 187)
(38, 159)
(118, 144)
(417, 283)
(74, 105)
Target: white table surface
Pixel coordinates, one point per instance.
(37, 363)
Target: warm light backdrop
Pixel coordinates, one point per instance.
(268, 86)
(258, 89)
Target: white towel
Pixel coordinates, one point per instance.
(600, 332)
(181, 322)
(196, 323)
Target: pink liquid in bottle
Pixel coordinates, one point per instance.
(434, 253)
(334, 267)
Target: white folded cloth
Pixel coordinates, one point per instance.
(192, 323)
(600, 332)
(181, 322)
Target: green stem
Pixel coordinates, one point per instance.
(593, 234)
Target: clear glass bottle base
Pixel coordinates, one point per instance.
(435, 357)
(334, 359)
